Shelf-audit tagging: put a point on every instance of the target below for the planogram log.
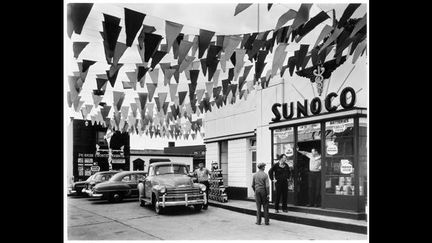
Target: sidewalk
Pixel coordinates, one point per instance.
(329, 222)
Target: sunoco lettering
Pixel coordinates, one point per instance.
(315, 105)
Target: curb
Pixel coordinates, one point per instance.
(301, 220)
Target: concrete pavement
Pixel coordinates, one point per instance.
(90, 219)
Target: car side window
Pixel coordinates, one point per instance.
(126, 178)
(139, 177)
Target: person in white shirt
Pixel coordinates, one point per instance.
(314, 176)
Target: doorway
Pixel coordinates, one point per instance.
(302, 170)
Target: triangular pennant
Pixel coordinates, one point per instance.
(141, 52)
(118, 98)
(112, 78)
(134, 108)
(173, 91)
(312, 23)
(126, 85)
(86, 64)
(324, 32)
(359, 26)
(105, 110)
(259, 64)
(359, 50)
(69, 99)
(240, 53)
(184, 48)
(165, 107)
(194, 76)
(331, 39)
(157, 57)
(223, 63)
(301, 54)
(192, 88)
(172, 30)
(111, 30)
(199, 94)
(225, 86)
(194, 45)
(150, 109)
(348, 12)
(209, 88)
(284, 18)
(151, 89)
(133, 22)
(176, 45)
(204, 39)
(168, 75)
(162, 98)
(203, 66)
(77, 104)
(279, 57)
(154, 75)
(186, 63)
(241, 7)
(77, 14)
(302, 15)
(145, 29)
(216, 77)
(232, 43)
(151, 43)
(96, 99)
(77, 48)
(182, 96)
(124, 111)
(120, 48)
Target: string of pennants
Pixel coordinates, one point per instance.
(192, 61)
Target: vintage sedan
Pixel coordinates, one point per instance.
(169, 184)
(78, 186)
(97, 178)
(121, 185)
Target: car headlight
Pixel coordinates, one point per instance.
(203, 187)
(162, 189)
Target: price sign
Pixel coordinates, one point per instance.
(346, 167)
(95, 168)
(332, 148)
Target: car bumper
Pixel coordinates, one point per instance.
(94, 194)
(165, 202)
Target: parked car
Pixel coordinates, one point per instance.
(97, 178)
(169, 184)
(78, 186)
(121, 185)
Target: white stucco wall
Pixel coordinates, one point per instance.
(186, 160)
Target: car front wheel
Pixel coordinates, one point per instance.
(157, 206)
(115, 197)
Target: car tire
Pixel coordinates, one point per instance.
(158, 208)
(198, 207)
(115, 197)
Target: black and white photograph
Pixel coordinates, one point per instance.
(215, 120)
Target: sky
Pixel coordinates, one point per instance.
(218, 17)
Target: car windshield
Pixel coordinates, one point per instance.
(171, 169)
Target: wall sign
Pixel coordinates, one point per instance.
(346, 167)
(95, 168)
(289, 151)
(315, 105)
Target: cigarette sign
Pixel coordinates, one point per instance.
(332, 148)
(95, 168)
(346, 167)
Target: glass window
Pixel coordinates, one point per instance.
(309, 132)
(126, 178)
(339, 157)
(363, 157)
(254, 165)
(283, 140)
(171, 169)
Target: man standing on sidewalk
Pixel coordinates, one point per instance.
(282, 173)
(261, 187)
(203, 174)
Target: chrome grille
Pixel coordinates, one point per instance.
(182, 191)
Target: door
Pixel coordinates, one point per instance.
(308, 138)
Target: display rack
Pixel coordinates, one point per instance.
(217, 188)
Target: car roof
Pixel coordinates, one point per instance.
(107, 172)
(167, 163)
(123, 173)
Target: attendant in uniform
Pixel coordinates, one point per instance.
(281, 176)
(261, 187)
(314, 177)
(203, 175)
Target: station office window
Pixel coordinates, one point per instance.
(362, 156)
(339, 157)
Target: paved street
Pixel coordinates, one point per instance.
(91, 219)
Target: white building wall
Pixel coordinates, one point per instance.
(237, 162)
(212, 154)
(69, 151)
(186, 160)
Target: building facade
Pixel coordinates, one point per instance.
(290, 114)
